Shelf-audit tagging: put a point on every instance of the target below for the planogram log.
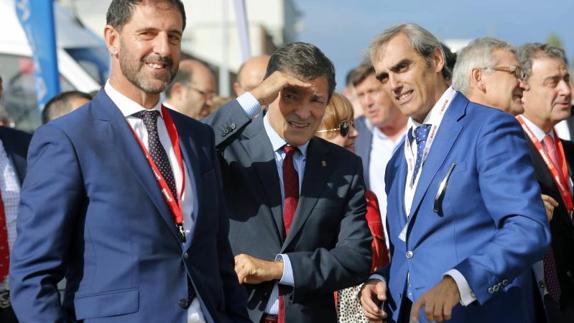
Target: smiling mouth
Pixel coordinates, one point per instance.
(298, 125)
(404, 96)
(156, 65)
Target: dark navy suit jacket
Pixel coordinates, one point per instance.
(91, 211)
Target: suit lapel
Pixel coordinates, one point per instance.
(262, 159)
(447, 134)
(122, 138)
(316, 170)
(189, 151)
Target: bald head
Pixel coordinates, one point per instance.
(192, 90)
(250, 74)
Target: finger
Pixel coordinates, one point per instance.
(447, 312)
(416, 309)
(381, 289)
(437, 311)
(368, 304)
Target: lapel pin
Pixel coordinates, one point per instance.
(324, 163)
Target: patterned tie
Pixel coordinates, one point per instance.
(291, 188)
(421, 134)
(550, 273)
(156, 149)
(4, 247)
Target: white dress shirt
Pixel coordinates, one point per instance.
(382, 149)
(434, 118)
(128, 107)
(10, 188)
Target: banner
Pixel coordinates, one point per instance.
(37, 20)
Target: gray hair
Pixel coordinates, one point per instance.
(528, 52)
(477, 54)
(423, 42)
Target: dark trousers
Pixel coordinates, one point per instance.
(405, 311)
(557, 314)
(6, 313)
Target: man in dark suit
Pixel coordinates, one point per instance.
(465, 217)
(13, 151)
(547, 102)
(123, 197)
(296, 202)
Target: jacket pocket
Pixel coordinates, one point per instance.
(110, 303)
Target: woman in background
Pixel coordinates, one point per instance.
(338, 127)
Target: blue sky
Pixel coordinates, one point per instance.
(344, 28)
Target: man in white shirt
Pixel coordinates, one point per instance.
(381, 129)
(465, 218)
(123, 197)
(546, 103)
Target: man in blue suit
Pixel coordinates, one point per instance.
(123, 197)
(465, 217)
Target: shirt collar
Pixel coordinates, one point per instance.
(538, 133)
(276, 141)
(433, 117)
(126, 105)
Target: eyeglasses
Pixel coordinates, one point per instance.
(515, 70)
(205, 94)
(344, 128)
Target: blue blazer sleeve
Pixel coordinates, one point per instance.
(51, 197)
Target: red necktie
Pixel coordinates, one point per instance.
(550, 274)
(291, 188)
(4, 247)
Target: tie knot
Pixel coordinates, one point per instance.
(421, 133)
(548, 141)
(289, 150)
(149, 118)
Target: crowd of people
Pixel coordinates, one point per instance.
(435, 187)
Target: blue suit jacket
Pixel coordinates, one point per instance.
(92, 212)
(492, 226)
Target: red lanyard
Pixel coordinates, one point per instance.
(560, 177)
(173, 203)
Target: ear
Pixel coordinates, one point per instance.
(112, 39)
(476, 79)
(438, 60)
(237, 88)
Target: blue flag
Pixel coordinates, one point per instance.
(37, 19)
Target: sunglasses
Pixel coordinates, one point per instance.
(344, 127)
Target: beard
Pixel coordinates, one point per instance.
(144, 78)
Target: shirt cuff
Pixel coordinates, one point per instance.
(466, 294)
(287, 277)
(376, 277)
(249, 104)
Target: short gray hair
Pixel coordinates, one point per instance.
(477, 54)
(420, 39)
(528, 52)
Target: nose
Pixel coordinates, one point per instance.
(162, 45)
(353, 133)
(523, 84)
(564, 88)
(394, 83)
(303, 111)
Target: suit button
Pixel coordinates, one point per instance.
(183, 303)
(569, 274)
(185, 255)
(496, 288)
(490, 290)
(409, 254)
(504, 282)
(232, 126)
